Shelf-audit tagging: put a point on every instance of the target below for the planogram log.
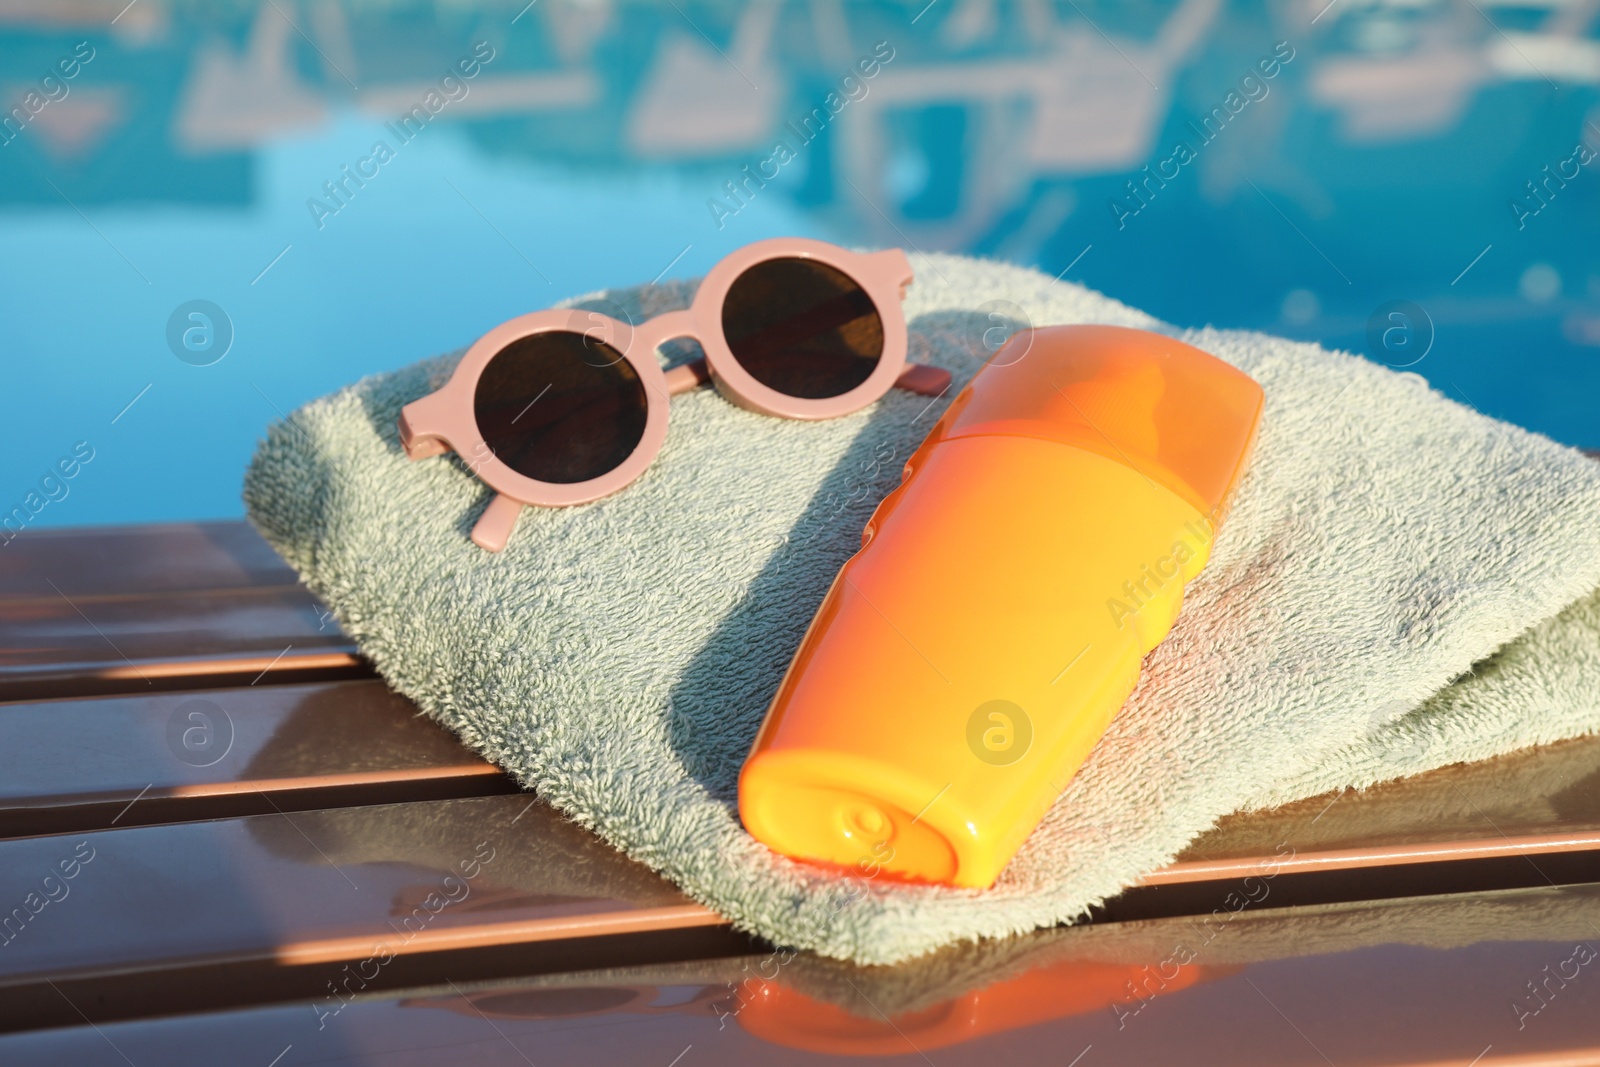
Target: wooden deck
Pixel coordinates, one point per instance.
(270, 857)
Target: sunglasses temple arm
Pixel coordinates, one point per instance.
(494, 526)
(418, 445)
(923, 379)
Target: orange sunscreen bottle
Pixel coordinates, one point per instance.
(969, 657)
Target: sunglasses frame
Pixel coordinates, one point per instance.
(446, 420)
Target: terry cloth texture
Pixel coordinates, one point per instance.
(1402, 583)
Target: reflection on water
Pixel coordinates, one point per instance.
(353, 185)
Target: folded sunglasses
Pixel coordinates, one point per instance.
(565, 407)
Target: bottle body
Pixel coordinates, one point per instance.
(965, 662)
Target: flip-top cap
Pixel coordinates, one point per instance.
(1180, 416)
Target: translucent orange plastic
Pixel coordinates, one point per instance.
(969, 657)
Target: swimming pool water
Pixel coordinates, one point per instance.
(1423, 161)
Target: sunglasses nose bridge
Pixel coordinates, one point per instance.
(668, 326)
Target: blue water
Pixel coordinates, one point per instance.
(1379, 164)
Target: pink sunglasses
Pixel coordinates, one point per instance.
(564, 407)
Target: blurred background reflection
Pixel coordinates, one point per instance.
(1406, 180)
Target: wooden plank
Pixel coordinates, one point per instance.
(88, 764)
(142, 609)
(312, 888)
(1383, 984)
(1536, 801)
(64, 646)
(99, 562)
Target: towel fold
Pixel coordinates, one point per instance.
(1402, 583)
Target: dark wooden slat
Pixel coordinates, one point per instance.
(1538, 800)
(1384, 984)
(139, 645)
(96, 562)
(146, 609)
(84, 764)
(310, 889)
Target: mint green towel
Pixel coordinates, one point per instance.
(1402, 583)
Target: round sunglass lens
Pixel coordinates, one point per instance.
(802, 328)
(560, 407)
